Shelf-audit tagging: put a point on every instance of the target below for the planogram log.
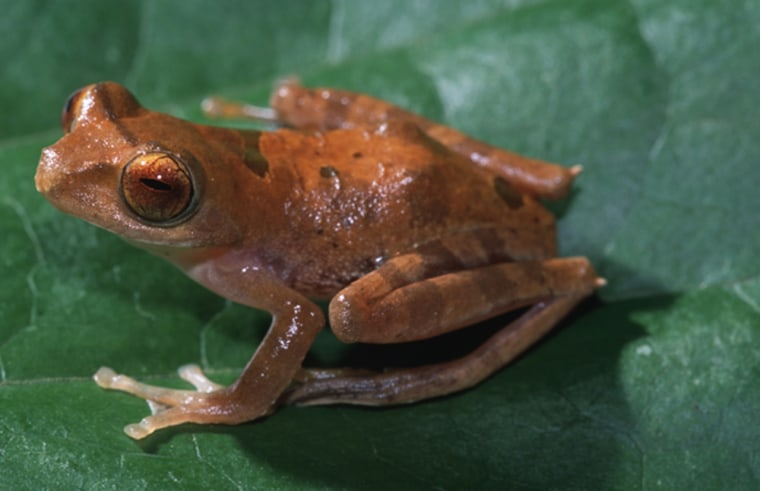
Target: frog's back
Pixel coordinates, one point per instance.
(360, 196)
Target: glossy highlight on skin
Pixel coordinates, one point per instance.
(411, 228)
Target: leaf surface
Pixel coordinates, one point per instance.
(652, 385)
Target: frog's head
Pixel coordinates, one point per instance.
(131, 171)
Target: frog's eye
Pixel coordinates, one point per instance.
(68, 114)
(158, 188)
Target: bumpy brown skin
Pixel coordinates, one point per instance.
(412, 228)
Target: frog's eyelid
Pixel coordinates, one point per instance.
(68, 118)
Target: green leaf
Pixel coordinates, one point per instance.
(653, 385)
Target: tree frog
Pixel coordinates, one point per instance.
(409, 228)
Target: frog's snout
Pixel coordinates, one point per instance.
(44, 178)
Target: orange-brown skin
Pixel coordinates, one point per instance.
(411, 228)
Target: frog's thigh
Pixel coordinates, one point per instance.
(377, 309)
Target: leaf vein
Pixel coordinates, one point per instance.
(744, 297)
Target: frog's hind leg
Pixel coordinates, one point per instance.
(414, 302)
(402, 386)
(531, 176)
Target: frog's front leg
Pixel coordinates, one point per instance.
(390, 305)
(256, 393)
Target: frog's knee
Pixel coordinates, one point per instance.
(348, 317)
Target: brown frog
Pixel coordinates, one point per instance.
(410, 228)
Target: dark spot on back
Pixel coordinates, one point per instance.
(357, 155)
(256, 162)
(511, 197)
(328, 171)
(251, 154)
